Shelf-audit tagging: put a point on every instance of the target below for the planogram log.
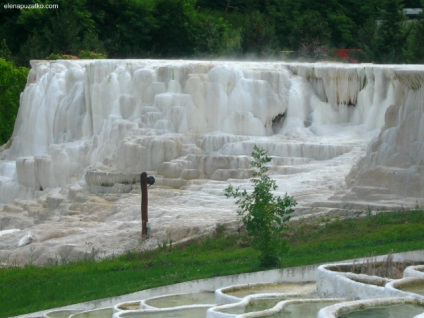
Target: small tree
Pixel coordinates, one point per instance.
(264, 215)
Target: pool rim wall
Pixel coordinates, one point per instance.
(336, 310)
(414, 271)
(214, 312)
(293, 274)
(331, 283)
(394, 287)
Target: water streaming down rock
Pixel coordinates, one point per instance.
(129, 116)
(395, 159)
(93, 126)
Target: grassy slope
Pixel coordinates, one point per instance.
(31, 288)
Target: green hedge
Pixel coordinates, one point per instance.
(12, 83)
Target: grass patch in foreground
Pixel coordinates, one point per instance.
(31, 288)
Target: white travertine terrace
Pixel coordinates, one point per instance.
(185, 117)
(340, 135)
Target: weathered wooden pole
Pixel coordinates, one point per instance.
(144, 215)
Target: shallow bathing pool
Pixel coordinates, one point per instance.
(416, 288)
(197, 312)
(395, 310)
(280, 288)
(181, 300)
(302, 309)
(65, 313)
(97, 313)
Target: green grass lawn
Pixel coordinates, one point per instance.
(30, 288)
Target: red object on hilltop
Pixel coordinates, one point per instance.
(343, 54)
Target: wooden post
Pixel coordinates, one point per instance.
(144, 215)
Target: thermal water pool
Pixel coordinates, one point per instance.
(291, 308)
(193, 312)
(395, 310)
(293, 288)
(302, 309)
(62, 313)
(97, 313)
(297, 296)
(180, 300)
(414, 287)
(254, 304)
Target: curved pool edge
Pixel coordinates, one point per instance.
(214, 312)
(336, 310)
(394, 288)
(293, 274)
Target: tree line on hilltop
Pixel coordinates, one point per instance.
(368, 30)
(376, 31)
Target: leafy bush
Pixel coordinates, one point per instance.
(12, 83)
(264, 215)
(82, 55)
(91, 55)
(57, 56)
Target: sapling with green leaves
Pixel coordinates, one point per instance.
(265, 215)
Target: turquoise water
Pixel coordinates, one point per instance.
(182, 300)
(253, 305)
(262, 304)
(416, 288)
(295, 310)
(286, 288)
(176, 313)
(100, 313)
(302, 310)
(396, 310)
(61, 313)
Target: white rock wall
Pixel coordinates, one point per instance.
(128, 116)
(395, 159)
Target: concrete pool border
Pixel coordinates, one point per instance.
(336, 310)
(170, 310)
(395, 287)
(414, 271)
(216, 311)
(294, 274)
(223, 295)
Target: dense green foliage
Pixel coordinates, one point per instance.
(264, 215)
(82, 55)
(30, 288)
(212, 28)
(12, 83)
